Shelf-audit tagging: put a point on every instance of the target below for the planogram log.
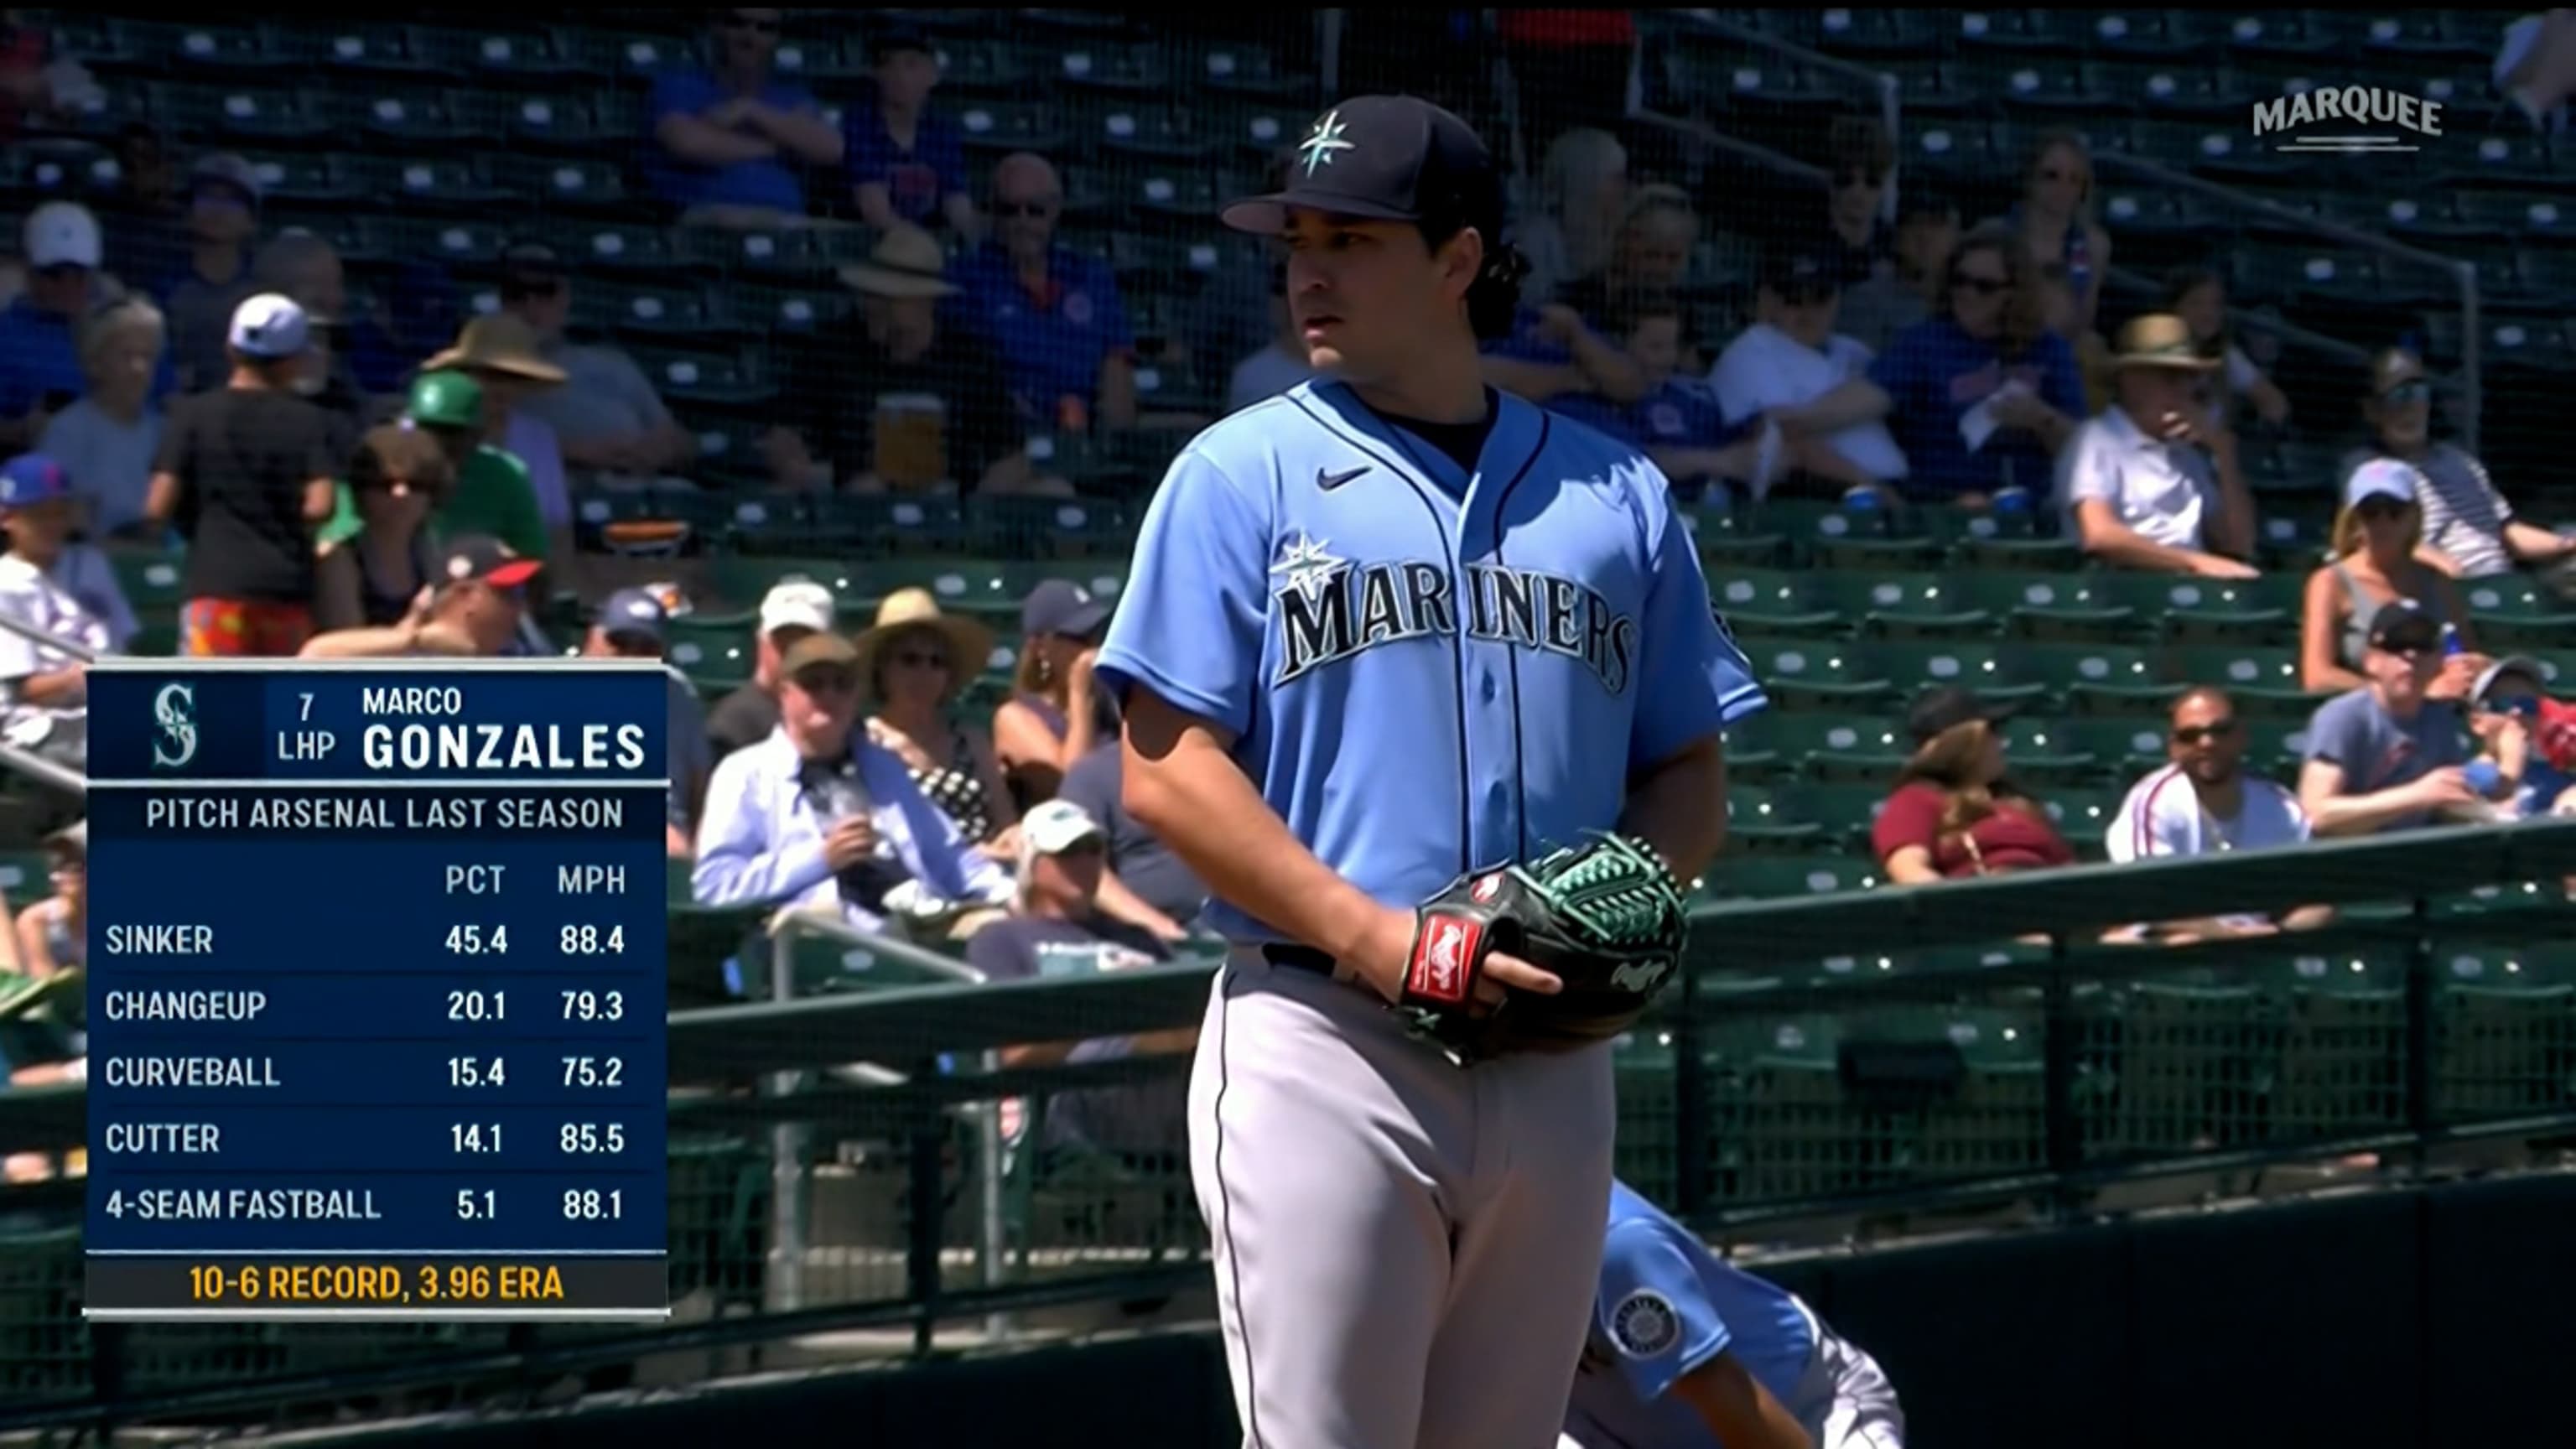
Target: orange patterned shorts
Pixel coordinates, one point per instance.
(236, 628)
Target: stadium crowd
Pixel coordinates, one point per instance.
(388, 476)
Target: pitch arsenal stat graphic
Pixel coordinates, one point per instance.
(376, 989)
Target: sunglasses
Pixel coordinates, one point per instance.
(828, 681)
(2528, 706)
(1024, 208)
(2407, 392)
(920, 659)
(62, 271)
(2204, 734)
(2381, 509)
(1982, 286)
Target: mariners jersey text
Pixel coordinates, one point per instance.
(1331, 610)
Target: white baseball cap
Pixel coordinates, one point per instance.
(62, 233)
(270, 326)
(796, 604)
(1057, 826)
(2382, 478)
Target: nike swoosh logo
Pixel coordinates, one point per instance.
(1330, 481)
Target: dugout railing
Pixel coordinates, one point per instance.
(1882, 1053)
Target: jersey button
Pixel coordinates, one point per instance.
(1485, 689)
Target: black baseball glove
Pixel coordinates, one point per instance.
(1606, 919)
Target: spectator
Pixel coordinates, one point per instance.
(1902, 295)
(1278, 366)
(107, 438)
(1854, 243)
(2092, 354)
(2373, 564)
(67, 590)
(2525, 737)
(364, 359)
(1139, 861)
(636, 624)
(473, 609)
(2388, 756)
(1582, 194)
(1057, 928)
(40, 368)
(375, 552)
(817, 818)
(491, 493)
(2153, 483)
(2205, 803)
(1054, 712)
(500, 353)
(896, 402)
(907, 162)
(2535, 68)
(1981, 400)
(912, 663)
(1679, 422)
(1651, 254)
(245, 474)
(223, 219)
(1565, 347)
(1954, 811)
(53, 933)
(2470, 531)
(26, 76)
(2198, 295)
(606, 416)
(1791, 356)
(729, 139)
(147, 230)
(2055, 219)
(792, 611)
(1055, 316)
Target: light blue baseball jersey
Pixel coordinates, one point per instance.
(1426, 672)
(1668, 1305)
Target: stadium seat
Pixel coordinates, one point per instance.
(1766, 819)
(2264, 682)
(1985, 37)
(998, 127)
(1759, 877)
(1818, 674)
(2076, 750)
(2515, 611)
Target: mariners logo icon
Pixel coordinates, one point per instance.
(174, 712)
(1644, 1324)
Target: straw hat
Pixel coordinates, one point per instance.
(2160, 339)
(970, 644)
(907, 263)
(499, 342)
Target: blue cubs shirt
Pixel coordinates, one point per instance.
(1935, 372)
(772, 182)
(916, 178)
(1668, 1305)
(1427, 671)
(1052, 344)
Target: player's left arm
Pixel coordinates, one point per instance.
(1691, 681)
(1737, 1409)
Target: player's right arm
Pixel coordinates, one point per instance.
(1686, 1356)
(1737, 1409)
(1185, 651)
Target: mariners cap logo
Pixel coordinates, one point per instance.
(1320, 143)
(1644, 1324)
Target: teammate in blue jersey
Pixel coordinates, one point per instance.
(1689, 1351)
(1383, 630)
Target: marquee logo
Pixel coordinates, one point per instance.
(2351, 120)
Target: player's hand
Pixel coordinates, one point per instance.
(852, 839)
(1387, 951)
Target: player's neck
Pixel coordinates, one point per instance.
(1446, 390)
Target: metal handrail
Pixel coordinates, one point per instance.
(2472, 345)
(27, 762)
(48, 639)
(1890, 90)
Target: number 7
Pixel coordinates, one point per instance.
(307, 716)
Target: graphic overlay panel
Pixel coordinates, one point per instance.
(376, 993)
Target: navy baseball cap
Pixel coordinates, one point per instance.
(1385, 158)
(1059, 606)
(635, 613)
(30, 479)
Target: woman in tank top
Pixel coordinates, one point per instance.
(2373, 563)
(1053, 716)
(376, 554)
(53, 934)
(2055, 219)
(912, 662)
